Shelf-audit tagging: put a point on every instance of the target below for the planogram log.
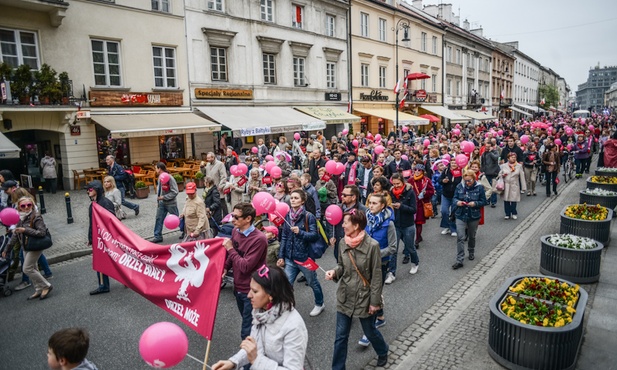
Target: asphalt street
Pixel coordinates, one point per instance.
(116, 320)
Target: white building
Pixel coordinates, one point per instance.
(526, 77)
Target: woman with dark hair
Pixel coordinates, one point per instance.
(281, 191)
(359, 274)
(380, 186)
(424, 190)
(278, 336)
(404, 205)
(212, 200)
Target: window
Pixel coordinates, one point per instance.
(364, 24)
(331, 75)
(218, 62)
(266, 10)
(382, 76)
(458, 88)
(164, 66)
(434, 45)
(106, 59)
(19, 47)
(297, 16)
(269, 66)
(364, 75)
(458, 57)
(299, 78)
(215, 5)
(382, 29)
(449, 54)
(423, 41)
(423, 84)
(161, 5)
(434, 82)
(405, 73)
(330, 25)
(449, 87)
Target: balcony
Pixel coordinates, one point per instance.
(55, 8)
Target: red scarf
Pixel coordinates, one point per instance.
(398, 192)
(456, 173)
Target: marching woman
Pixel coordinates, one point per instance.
(278, 337)
(404, 205)
(483, 180)
(513, 175)
(531, 162)
(360, 286)
(423, 187)
(469, 198)
(449, 179)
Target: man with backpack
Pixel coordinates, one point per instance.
(120, 175)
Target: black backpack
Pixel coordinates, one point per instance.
(310, 204)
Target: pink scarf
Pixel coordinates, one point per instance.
(353, 242)
(351, 180)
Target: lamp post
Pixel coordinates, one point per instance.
(404, 25)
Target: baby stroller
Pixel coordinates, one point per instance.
(129, 183)
(5, 263)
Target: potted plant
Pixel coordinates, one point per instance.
(571, 257)
(587, 220)
(6, 71)
(46, 85)
(180, 181)
(602, 182)
(602, 197)
(199, 180)
(536, 322)
(141, 190)
(21, 87)
(65, 87)
(606, 171)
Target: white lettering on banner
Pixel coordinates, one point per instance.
(191, 316)
(155, 272)
(255, 131)
(131, 262)
(101, 245)
(176, 307)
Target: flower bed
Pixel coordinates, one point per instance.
(591, 221)
(602, 182)
(571, 257)
(606, 171)
(605, 198)
(536, 323)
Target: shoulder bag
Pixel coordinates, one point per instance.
(427, 206)
(318, 247)
(35, 244)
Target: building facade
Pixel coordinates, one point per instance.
(590, 95)
(502, 81)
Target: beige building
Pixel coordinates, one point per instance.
(502, 78)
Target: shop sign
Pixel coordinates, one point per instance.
(420, 95)
(75, 130)
(375, 95)
(82, 114)
(333, 96)
(254, 131)
(120, 98)
(312, 126)
(432, 98)
(234, 94)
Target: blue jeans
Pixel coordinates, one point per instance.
(292, 269)
(126, 203)
(343, 326)
(435, 199)
(493, 198)
(103, 280)
(447, 206)
(246, 310)
(161, 212)
(42, 261)
(510, 208)
(408, 235)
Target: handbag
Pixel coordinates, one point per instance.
(35, 244)
(120, 214)
(428, 207)
(318, 247)
(500, 185)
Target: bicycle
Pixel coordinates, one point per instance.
(569, 167)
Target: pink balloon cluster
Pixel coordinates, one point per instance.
(335, 168)
(238, 170)
(263, 202)
(467, 146)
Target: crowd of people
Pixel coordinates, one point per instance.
(387, 189)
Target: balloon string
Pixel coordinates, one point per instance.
(198, 360)
(284, 219)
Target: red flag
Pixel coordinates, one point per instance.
(402, 103)
(298, 14)
(308, 264)
(503, 94)
(397, 86)
(183, 279)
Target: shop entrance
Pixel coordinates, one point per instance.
(33, 144)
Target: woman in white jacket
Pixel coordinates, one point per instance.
(514, 180)
(278, 337)
(112, 193)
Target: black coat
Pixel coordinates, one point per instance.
(101, 201)
(212, 199)
(392, 168)
(404, 216)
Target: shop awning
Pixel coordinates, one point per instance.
(331, 115)
(390, 114)
(475, 115)
(525, 106)
(520, 111)
(251, 121)
(7, 148)
(154, 124)
(445, 113)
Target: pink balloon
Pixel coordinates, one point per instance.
(427, 142)
(405, 129)
(390, 142)
(263, 202)
(468, 146)
(379, 149)
(461, 160)
(345, 132)
(163, 345)
(9, 216)
(269, 158)
(233, 170)
(524, 139)
(378, 142)
(164, 177)
(331, 166)
(377, 137)
(590, 127)
(500, 132)
(355, 143)
(268, 167)
(297, 136)
(172, 222)
(340, 168)
(276, 172)
(447, 157)
(242, 169)
(333, 214)
(557, 142)
(405, 157)
(254, 150)
(569, 146)
(456, 131)
(569, 131)
(457, 126)
(282, 209)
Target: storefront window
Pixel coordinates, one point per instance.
(171, 147)
(119, 148)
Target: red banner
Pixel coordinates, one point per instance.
(184, 279)
(308, 264)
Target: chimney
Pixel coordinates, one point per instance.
(417, 4)
(477, 32)
(456, 20)
(446, 12)
(432, 10)
(466, 24)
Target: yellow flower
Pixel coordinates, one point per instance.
(559, 312)
(511, 300)
(545, 322)
(570, 309)
(523, 322)
(560, 323)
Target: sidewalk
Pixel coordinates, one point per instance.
(453, 333)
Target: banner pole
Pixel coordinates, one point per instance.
(207, 354)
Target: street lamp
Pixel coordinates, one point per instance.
(402, 24)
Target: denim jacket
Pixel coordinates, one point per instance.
(474, 194)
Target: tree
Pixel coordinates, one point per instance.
(550, 94)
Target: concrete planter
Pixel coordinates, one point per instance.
(515, 345)
(596, 185)
(597, 230)
(609, 202)
(579, 266)
(605, 173)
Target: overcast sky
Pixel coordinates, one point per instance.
(568, 36)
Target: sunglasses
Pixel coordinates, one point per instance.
(237, 217)
(90, 189)
(346, 195)
(263, 271)
(26, 205)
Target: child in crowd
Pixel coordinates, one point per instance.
(272, 233)
(67, 349)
